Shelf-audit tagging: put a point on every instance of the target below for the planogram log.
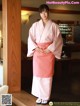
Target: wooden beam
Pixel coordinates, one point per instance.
(30, 8)
(53, 10)
(64, 11)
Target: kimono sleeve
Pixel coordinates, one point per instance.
(31, 41)
(56, 46)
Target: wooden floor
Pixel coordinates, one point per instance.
(24, 99)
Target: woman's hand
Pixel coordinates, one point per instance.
(47, 51)
(39, 50)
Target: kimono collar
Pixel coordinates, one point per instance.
(43, 30)
(48, 22)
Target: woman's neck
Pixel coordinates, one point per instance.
(45, 21)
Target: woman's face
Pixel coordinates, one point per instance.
(44, 15)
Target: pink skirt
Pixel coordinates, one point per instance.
(43, 64)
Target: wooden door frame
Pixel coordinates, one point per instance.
(11, 28)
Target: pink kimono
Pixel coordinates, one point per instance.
(47, 37)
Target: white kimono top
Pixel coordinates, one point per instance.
(39, 33)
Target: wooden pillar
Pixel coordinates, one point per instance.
(11, 12)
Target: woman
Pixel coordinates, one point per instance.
(44, 44)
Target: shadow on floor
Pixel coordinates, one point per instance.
(62, 92)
